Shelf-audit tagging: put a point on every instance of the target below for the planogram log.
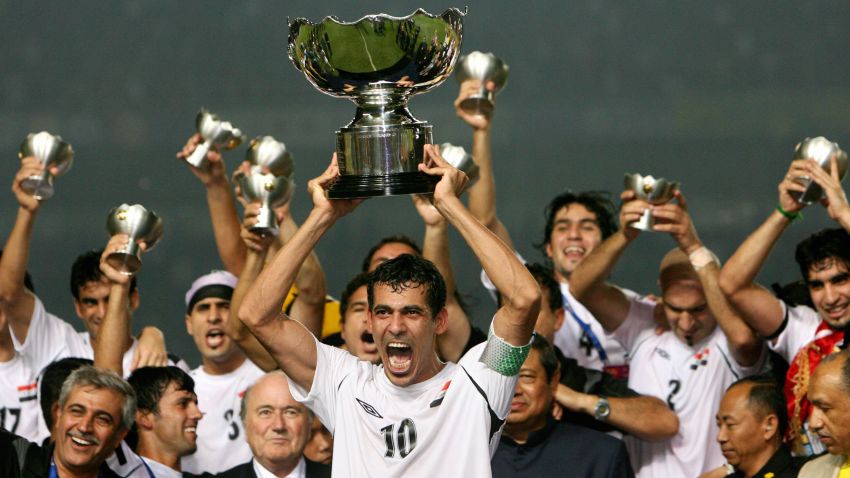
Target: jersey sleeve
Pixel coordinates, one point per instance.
(639, 323)
(333, 366)
(800, 324)
(49, 338)
(498, 388)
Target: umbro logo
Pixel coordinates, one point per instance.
(663, 353)
(368, 408)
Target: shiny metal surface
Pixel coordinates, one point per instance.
(820, 149)
(215, 132)
(52, 151)
(270, 180)
(460, 159)
(485, 67)
(379, 62)
(653, 190)
(141, 225)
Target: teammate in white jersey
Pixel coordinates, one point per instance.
(412, 415)
(691, 365)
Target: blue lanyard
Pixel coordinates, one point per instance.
(585, 327)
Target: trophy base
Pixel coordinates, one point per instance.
(38, 186)
(480, 105)
(350, 187)
(382, 160)
(125, 263)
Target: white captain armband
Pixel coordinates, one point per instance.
(502, 357)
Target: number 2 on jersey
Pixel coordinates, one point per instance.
(405, 438)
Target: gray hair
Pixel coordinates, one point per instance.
(88, 376)
(243, 404)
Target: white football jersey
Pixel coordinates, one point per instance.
(19, 408)
(691, 380)
(448, 425)
(221, 436)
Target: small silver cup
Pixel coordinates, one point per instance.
(820, 149)
(215, 132)
(654, 191)
(484, 67)
(141, 225)
(272, 188)
(460, 159)
(52, 152)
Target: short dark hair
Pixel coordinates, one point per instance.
(52, 377)
(27, 278)
(408, 271)
(820, 246)
(397, 238)
(546, 280)
(766, 398)
(597, 202)
(357, 282)
(86, 268)
(546, 355)
(150, 384)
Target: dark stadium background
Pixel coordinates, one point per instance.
(713, 94)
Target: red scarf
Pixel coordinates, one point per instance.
(826, 343)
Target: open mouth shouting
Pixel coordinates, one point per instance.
(214, 338)
(368, 342)
(399, 358)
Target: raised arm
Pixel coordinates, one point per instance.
(588, 281)
(514, 321)
(113, 333)
(16, 300)
(222, 206)
(291, 345)
(435, 248)
(746, 347)
(758, 307)
(482, 195)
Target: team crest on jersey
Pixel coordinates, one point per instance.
(369, 408)
(437, 401)
(700, 359)
(27, 392)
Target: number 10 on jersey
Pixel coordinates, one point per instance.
(404, 438)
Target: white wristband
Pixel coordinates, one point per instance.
(702, 257)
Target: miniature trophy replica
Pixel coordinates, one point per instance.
(820, 149)
(52, 152)
(460, 159)
(484, 67)
(379, 62)
(215, 132)
(654, 191)
(269, 180)
(141, 225)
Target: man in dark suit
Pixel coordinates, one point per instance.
(277, 429)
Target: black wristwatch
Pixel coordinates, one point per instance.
(603, 409)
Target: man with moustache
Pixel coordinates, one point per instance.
(829, 394)
(94, 413)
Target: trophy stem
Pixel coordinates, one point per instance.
(127, 261)
(645, 222)
(481, 102)
(198, 158)
(40, 186)
(266, 222)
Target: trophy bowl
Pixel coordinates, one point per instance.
(265, 151)
(655, 191)
(52, 152)
(270, 190)
(483, 67)
(379, 62)
(820, 149)
(215, 132)
(141, 225)
(460, 159)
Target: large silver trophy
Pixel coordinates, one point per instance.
(269, 181)
(654, 191)
(52, 152)
(215, 132)
(379, 62)
(141, 225)
(460, 159)
(820, 149)
(484, 67)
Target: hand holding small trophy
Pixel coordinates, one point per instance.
(266, 178)
(820, 150)
(654, 191)
(216, 133)
(55, 154)
(489, 70)
(460, 159)
(141, 226)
